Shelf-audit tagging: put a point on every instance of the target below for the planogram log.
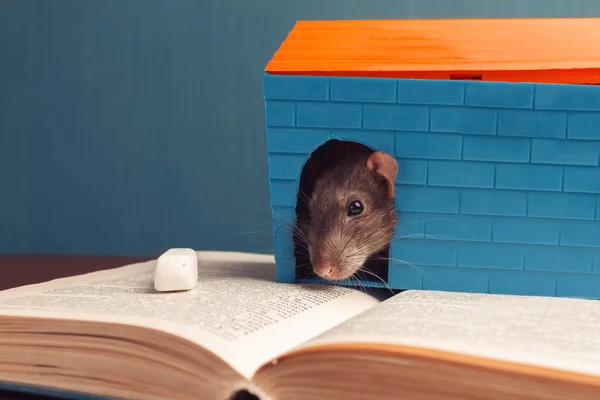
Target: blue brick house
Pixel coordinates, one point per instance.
(498, 186)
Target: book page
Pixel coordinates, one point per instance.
(544, 331)
(236, 310)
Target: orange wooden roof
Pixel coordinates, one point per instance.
(565, 50)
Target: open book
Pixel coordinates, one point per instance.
(110, 334)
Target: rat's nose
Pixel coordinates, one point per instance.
(324, 269)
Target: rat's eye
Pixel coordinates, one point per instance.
(355, 208)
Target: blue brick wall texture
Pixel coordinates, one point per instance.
(498, 189)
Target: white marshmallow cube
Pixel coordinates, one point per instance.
(176, 270)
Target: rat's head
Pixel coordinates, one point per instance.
(351, 214)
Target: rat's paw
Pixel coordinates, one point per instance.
(176, 269)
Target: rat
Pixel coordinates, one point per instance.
(351, 213)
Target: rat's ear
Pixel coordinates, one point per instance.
(386, 166)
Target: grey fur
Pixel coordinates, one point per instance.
(331, 234)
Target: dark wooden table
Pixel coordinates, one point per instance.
(19, 270)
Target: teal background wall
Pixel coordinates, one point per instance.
(131, 126)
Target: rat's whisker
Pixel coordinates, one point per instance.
(378, 277)
(313, 276)
(283, 216)
(418, 235)
(301, 244)
(300, 234)
(363, 249)
(249, 233)
(358, 283)
(306, 267)
(346, 245)
(298, 240)
(303, 194)
(290, 228)
(302, 251)
(406, 263)
(287, 224)
(361, 282)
